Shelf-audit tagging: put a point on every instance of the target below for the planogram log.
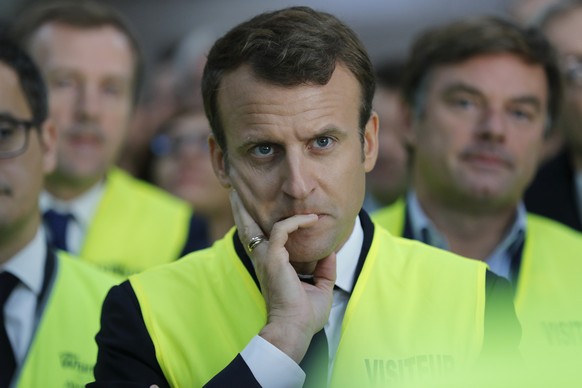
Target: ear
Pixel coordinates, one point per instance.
(370, 151)
(217, 158)
(48, 136)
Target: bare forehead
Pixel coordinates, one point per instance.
(58, 40)
(241, 88)
(497, 73)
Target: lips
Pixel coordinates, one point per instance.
(494, 158)
(86, 134)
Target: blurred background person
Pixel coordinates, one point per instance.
(49, 302)
(180, 163)
(157, 102)
(525, 13)
(388, 181)
(92, 63)
(482, 92)
(173, 85)
(556, 191)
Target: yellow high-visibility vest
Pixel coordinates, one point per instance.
(63, 350)
(548, 299)
(400, 321)
(136, 226)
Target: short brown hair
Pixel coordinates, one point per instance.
(85, 14)
(459, 41)
(289, 47)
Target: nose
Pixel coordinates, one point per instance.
(492, 125)
(88, 102)
(299, 180)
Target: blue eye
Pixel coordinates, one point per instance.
(323, 142)
(263, 150)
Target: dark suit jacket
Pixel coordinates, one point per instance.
(553, 192)
(198, 235)
(127, 356)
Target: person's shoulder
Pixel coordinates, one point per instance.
(85, 273)
(390, 217)
(552, 230)
(412, 253)
(194, 266)
(145, 192)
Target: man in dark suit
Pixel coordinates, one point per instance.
(556, 191)
(306, 289)
(49, 302)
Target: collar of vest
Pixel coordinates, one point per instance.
(515, 251)
(367, 226)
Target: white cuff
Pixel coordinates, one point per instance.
(270, 366)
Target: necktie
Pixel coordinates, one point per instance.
(7, 359)
(57, 225)
(315, 362)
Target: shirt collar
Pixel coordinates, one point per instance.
(81, 208)
(422, 227)
(28, 264)
(424, 230)
(347, 258)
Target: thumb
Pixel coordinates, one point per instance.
(324, 274)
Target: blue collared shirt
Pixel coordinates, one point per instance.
(499, 260)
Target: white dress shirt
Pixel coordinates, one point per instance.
(273, 368)
(82, 209)
(20, 309)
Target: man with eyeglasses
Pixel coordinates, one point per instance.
(557, 189)
(180, 163)
(49, 302)
(92, 64)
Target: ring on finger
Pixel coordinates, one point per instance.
(255, 241)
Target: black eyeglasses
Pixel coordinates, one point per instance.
(13, 135)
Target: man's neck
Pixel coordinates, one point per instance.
(469, 234)
(15, 237)
(68, 189)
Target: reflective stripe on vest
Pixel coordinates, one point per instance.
(136, 226)
(218, 309)
(63, 351)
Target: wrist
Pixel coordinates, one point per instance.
(290, 339)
